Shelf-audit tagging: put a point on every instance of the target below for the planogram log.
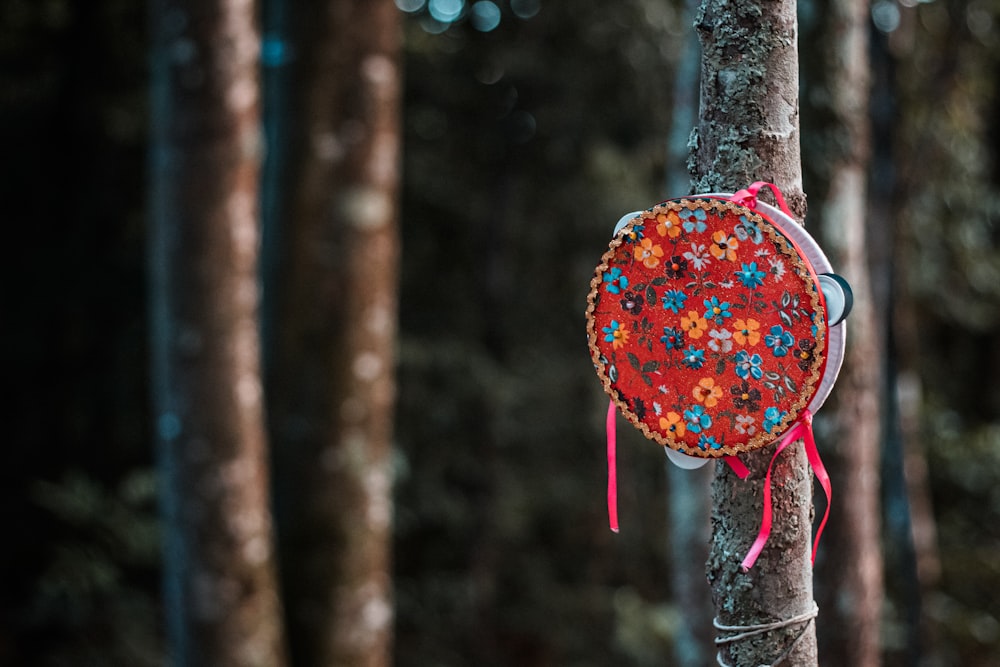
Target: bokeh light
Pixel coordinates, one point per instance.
(485, 16)
(445, 11)
(410, 6)
(525, 9)
(885, 15)
(274, 51)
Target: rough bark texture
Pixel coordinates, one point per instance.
(222, 603)
(748, 130)
(748, 126)
(852, 566)
(333, 375)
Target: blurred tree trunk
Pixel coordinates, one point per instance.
(912, 565)
(689, 504)
(852, 564)
(748, 130)
(222, 602)
(689, 534)
(331, 381)
(689, 492)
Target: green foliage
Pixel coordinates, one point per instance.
(524, 147)
(966, 461)
(949, 250)
(949, 163)
(94, 597)
(952, 242)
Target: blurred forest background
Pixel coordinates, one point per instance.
(530, 127)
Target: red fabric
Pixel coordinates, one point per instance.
(706, 327)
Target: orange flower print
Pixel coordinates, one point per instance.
(648, 254)
(695, 325)
(723, 246)
(673, 424)
(745, 332)
(668, 224)
(706, 392)
(616, 334)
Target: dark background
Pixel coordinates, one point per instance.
(523, 146)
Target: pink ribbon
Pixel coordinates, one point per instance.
(612, 469)
(737, 466)
(748, 196)
(802, 429)
(822, 476)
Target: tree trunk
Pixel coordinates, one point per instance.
(688, 522)
(332, 380)
(853, 567)
(222, 602)
(748, 130)
(912, 564)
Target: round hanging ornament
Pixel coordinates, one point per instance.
(714, 322)
(709, 327)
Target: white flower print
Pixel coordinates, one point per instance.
(697, 256)
(721, 340)
(744, 424)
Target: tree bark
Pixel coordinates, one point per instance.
(748, 130)
(222, 602)
(333, 378)
(853, 567)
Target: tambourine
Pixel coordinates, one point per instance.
(715, 325)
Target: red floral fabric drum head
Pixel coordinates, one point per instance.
(706, 326)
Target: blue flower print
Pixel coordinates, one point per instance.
(673, 299)
(697, 419)
(748, 365)
(673, 339)
(693, 220)
(616, 282)
(694, 358)
(715, 311)
(779, 340)
(748, 230)
(616, 334)
(772, 417)
(750, 276)
(708, 442)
